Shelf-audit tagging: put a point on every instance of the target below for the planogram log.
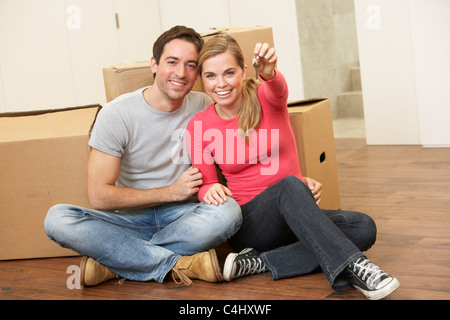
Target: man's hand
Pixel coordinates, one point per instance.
(315, 187)
(187, 184)
(103, 170)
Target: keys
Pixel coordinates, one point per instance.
(256, 65)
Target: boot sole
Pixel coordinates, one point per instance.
(83, 270)
(215, 264)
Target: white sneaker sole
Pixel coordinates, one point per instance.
(383, 292)
(229, 268)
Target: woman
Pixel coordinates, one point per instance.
(246, 132)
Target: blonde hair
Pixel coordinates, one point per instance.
(250, 113)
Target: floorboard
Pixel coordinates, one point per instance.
(406, 189)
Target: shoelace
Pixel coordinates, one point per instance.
(368, 270)
(250, 266)
(184, 279)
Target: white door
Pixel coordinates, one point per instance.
(387, 72)
(2, 98)
(34, 55)
(431, 43)
(198, 14)
(92, 37)
(139, 27)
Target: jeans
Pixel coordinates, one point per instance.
(144, 244)
(296, 237)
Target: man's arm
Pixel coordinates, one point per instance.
(103, 194)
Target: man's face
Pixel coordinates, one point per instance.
(176, 72)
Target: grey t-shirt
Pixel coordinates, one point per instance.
(149, 142)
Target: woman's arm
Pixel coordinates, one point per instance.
(201, 158)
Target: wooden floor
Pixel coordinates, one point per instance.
(406, 189)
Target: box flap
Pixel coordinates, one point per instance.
(297, 103)
(122, 67)
(219, 30)
(214, 31)
(47, 124)
(304, 105)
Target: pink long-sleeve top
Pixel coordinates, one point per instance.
(249, 168)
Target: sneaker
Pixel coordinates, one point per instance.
(370, 279)
(245, 263)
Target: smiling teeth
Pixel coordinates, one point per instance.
(223, 93)
(177, 83)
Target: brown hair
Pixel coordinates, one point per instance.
(250, 113)
(177, 32)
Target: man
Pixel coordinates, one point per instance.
(144, 222)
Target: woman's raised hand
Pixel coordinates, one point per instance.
(267, 59)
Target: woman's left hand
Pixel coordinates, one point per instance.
(315, 187)
(267, 59)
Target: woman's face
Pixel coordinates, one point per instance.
(223, 79)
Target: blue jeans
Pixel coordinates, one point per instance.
(143, 244)
(296, 237)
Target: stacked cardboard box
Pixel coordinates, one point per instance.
(43, 157)
(312, 124)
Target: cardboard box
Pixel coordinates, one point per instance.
(312, 124)
(128, 77)
(43, 161)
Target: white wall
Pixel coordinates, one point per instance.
(430, 27)
(405, 70)
(198, 14)
(52, 57)
(92, 45)
(140, 26)
(282, 17)
(2, 98)
(52, 51)
(35, 61)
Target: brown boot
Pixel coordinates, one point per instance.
(93, 273)
(203, 266)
